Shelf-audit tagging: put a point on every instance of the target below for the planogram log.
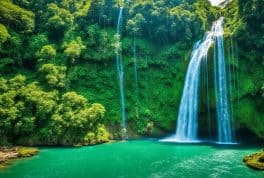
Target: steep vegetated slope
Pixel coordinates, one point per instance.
(58, 57)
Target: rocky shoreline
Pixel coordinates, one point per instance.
(8, 153)
(255, 160)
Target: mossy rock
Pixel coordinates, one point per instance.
(78, 145)
(255, 161)
(27, 151)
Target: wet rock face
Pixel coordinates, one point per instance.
(255, 161)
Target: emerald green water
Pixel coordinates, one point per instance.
(147, 158)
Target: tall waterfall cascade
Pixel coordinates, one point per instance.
(187, 126)
(187, 123)
(119, 65)
(223, 115)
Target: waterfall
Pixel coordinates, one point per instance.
(119, 65)
(223, 116)
(216, 2)
(187, 123)
(219, 3)
(206, 86)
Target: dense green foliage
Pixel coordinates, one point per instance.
(245, 24)
(16, 17)
(4, 35)
(66, 50)
(30, 115)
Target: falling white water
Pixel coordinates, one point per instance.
(187, 124)
(223, 116)
(219, 3)
(216, 2)
(119, 65)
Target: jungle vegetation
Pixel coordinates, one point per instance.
(57, 64)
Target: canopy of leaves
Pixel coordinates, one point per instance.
(16, 17)
(4, 35)
(47, 53)
(26, 109)
(53, 75)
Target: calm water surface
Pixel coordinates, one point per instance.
(141, 158)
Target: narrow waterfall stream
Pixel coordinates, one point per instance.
(119, 65)
(222, 101)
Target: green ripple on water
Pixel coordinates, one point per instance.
(140, 158)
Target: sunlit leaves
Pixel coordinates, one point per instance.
(53, 75)
(16, 17)
(59, 19)
(73, 49)
(4, 35)
(136, 24)
(27, 109)
(47, 53)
